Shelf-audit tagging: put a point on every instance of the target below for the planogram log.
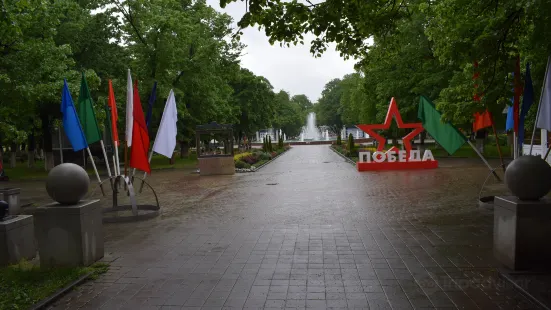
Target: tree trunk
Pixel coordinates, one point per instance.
(48, 147)
(184, 149)
(422, 145)
(30, 152)
(13, 155)
(172, 159)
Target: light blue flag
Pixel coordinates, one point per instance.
(71, 124)
(510, 122)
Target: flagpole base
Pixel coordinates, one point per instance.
(124, 214)
(137, 210)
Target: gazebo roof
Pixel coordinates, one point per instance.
(213, 127)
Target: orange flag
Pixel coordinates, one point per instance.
(140, 137)
(482, 120)
(114, 115)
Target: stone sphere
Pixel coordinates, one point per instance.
(67, 183)
(528, 177)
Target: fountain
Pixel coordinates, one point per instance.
(310, 131)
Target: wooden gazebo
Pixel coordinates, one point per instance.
(215, 149)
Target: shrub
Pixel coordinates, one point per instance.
(280, 143)
(242, 165)
(274, 154)
(265, 156)
(350, 145)
(339, 140)
(239, 156)
(270, 146)
(250, 159)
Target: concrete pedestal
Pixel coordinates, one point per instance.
(69, 235)
(522, 230)
(216, 165)
(17, 239)
(11, 196)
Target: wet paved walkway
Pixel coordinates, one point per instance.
(307, 231)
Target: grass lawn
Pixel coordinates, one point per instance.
(467, 151)
(24, 285)
(22, 172)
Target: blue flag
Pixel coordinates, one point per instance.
(71, 124)
(527, 100)
(510, 123)
(150, 108)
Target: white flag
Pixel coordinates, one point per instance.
(544, 116)
(129, 109)
(165, 141)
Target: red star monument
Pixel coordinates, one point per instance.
(394, 159)
(393, 112)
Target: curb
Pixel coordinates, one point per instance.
(266, 163)
(350, 161)
(59, 293)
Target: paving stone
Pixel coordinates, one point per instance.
(325, 236)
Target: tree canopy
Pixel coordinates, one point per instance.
(182, 45)
(410, 48)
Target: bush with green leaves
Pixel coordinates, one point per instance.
(265, 156)
(242, 165)
(270, 146)
(350, 145)
(339, 140)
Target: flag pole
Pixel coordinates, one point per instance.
(125, 158)
(547, 154)
(484, 160)
(116, 162)
(539, 107)
(106, 161)
(95, 169)
(497, 141)
(514, 144)
(60, 144)
(145, 173)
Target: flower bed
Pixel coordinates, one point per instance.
(250, 161)
(354, 154)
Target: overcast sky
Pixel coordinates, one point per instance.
(292, 69)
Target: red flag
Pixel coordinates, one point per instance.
(114, 116)
(482, 120)
(140, 137)
(518, 93)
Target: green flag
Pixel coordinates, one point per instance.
(86, 114)
(445, 134)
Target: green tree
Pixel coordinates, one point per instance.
(253, 99)
(327, 109)
(303, 103)
(350, 146)
(289, 115)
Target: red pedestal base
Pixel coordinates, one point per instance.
(408, 165)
